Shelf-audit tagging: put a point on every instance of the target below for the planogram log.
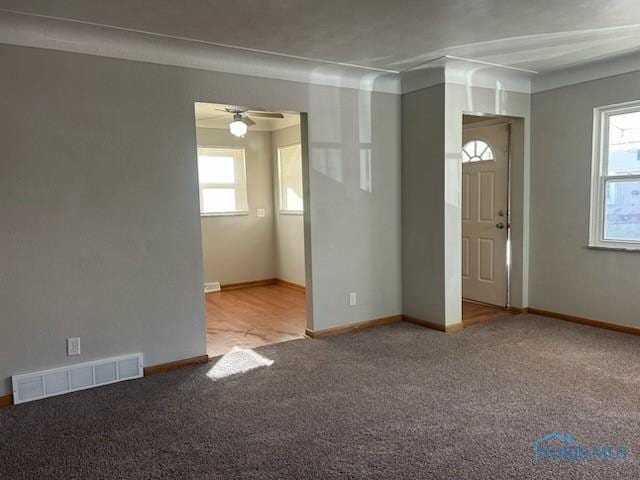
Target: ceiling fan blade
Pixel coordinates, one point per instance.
(210, 117)
(267, 114)
(248, 121)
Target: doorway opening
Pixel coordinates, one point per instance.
(486, 222)
(251, 200)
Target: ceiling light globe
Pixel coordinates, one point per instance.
(238, 128)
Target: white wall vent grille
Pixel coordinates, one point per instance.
(212, 287)
(57, 381)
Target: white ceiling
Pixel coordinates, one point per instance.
(209, 115)
(540, 35)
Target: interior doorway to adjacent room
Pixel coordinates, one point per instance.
(250, 173)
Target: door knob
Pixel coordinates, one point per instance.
(500, 225)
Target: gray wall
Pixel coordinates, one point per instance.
(241, 248)
(100, 229)
(565, 276)
(423, 204)
(289, 228)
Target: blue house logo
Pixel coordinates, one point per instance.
(556, 447)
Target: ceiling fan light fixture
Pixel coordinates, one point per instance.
(237, 127)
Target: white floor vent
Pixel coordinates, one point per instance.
(57, 381)
(212, 287)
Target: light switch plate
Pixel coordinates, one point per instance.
(261, 212)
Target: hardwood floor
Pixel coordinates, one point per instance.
(476, 313)
(255, 316)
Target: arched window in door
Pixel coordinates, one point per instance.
(477, 151)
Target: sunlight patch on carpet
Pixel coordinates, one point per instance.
(238, 360)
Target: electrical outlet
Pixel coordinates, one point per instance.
(260, 212)
(353, 298)
(73, 346)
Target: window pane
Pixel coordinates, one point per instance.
(624, 143)
(218, 200)
(487, 154)
(294, 199)
(223, 183)
(622, 210)
(216, 169)
(290, 165)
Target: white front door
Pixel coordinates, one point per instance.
(484, 213)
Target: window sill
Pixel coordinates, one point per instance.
(614, 248)
(224, 214)
(291, 212)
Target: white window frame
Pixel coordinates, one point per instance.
(240, 185)
(280, 209)
(600, 176)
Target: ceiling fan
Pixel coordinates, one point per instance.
(241, 119)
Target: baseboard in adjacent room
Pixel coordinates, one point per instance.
(254, 283)
(585, 321)
(328, 332)
(169, 366)
(262, 283)
(295, 286)
(6, 400)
